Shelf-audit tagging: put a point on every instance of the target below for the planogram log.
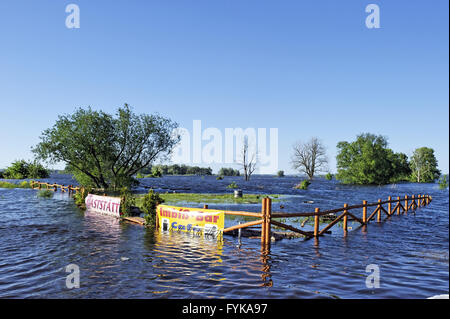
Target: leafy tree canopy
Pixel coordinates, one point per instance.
(368, 160)
(103, 150)
(22, 169)
(424, 166)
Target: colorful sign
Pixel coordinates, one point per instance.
(103, 204)
(195, 220)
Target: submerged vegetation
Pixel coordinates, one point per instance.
(148, 205)
(23, 184)
(303, 184)
(443, 182)
(45, 193)
(233, 185)
(228, 172)
(198, 198)
(175, 169)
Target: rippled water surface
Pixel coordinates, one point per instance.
(40, 237)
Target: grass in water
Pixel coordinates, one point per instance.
(45, 193)
(23, 184)
(176, 198)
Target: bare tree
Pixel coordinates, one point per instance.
(248, 161)
(310, 157)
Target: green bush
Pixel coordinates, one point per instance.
(80, 197)
(219, 178)
(280, 174)
(443, 181)
(45, 193)
(228, 172)
(329, 176)
(23, 184)
(232, 185)
(303, 185)
(127, 202)
(149, 204)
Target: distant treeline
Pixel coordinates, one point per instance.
(175, 169)
(22, 169)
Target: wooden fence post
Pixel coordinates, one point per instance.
(379, 211)
(419, 199)
(364, 212)
(389, 205)
(406, 202)
(345, 218)
(268, 219)
(414, 202)
(263, 225)
(316, 222)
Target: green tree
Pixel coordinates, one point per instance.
(424, 166)
(103, 150)
(368, 160)
(22, 169)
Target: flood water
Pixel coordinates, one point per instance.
(40, 237)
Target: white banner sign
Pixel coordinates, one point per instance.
(103, 204)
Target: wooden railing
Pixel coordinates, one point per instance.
(54, 187)
(266, 217)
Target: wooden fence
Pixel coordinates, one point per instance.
(266, 217)
(54, 187)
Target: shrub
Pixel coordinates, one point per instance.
(329, 176)
(24, 184)
(80, 197)
(232, 185)
(303, 185)
(150, 201)
(228, 172)
(443, 182)
(45, 193)
(280, 174)
(219, 178)
(127, 202)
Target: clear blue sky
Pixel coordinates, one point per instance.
(308, 68)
